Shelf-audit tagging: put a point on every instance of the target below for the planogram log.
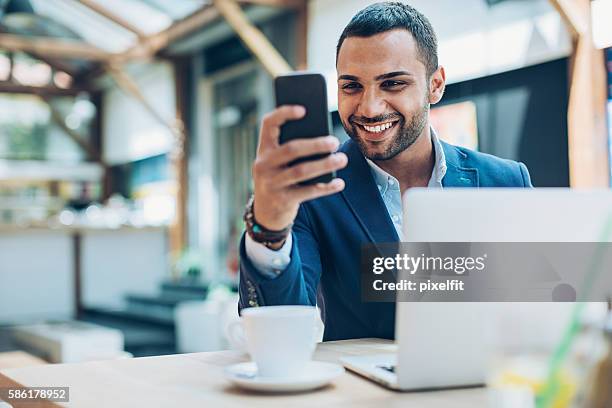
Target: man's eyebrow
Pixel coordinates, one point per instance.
(348, 78)
(392, 75)
(378, 78)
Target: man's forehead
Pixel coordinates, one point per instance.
(390, 51)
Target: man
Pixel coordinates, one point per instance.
(303, 242)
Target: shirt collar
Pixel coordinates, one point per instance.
(439, 170)
(385, 181)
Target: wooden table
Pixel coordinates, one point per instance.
(18, 359)
(196, 380)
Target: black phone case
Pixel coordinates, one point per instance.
(310, 91)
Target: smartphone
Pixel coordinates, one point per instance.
(310, 91)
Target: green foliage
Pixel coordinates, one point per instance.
(189, 264)
(25, 141)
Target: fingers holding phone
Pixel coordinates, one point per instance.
(301, 171)
(276, 176)
(271, 123)
(296, 159)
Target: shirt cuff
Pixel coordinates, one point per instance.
(268, 262)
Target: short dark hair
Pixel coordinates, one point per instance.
(381, 17)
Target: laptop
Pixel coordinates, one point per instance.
(450, 345)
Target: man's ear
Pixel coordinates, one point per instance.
(437, 83)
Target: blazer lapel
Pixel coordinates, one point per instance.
(457, 174)
(363, 198)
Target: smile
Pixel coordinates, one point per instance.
(379, 128)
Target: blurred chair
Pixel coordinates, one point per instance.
(200, 325)
(71, 341)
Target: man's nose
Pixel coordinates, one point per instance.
(371, 104)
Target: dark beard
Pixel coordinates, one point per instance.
(406, 135)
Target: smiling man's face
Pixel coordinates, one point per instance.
(383, 92)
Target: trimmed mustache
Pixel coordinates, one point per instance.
(362, 120)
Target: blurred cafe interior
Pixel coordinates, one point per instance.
(128, 130)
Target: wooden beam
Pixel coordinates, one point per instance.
(129, 85)
(53, 47)
(52, 62)
(152, 44)
(586, 116)
(58, 118)
(106, 13)
(55, 63)
(254, 39)
(13, 87)
(180, 227)
(573, 15)
(46, 47)
(301, 37)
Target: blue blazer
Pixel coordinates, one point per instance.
(327, 237)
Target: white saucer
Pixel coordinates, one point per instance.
(315, 375)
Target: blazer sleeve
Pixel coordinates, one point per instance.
(525, 175)
(296, 284)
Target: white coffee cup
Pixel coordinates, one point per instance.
(280, 339)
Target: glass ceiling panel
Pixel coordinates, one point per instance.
(176, 9)
(92, 27)
(140, 14)
(148, 16)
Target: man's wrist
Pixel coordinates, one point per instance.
(271, 239)
(268, 262)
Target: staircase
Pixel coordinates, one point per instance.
(147, 322)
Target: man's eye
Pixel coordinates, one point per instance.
(351, 86)
(392, 84)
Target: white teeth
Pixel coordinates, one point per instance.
(378, 128)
